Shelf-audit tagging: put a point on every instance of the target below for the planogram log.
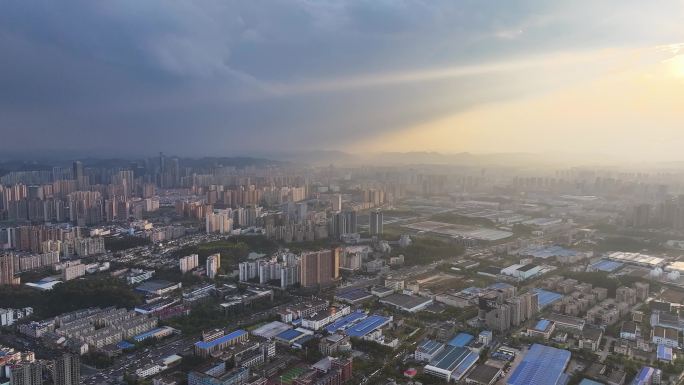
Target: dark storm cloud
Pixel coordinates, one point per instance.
(194, 77)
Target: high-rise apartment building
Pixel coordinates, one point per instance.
(213, 264)
(375, 224)
(318, 268)
(67, 370)
(337, 203)
(188, 263)
(28, 373)
(7, 270)
(219, 221)
(77, 173)
(343, 222)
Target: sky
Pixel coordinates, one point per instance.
(260, 77)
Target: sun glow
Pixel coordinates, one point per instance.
(676, 66)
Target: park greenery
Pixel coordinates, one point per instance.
(70, 296)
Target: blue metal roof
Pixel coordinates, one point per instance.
(367, 325)
(546, 297)
(208, 345)
(429, 346)
(289, 335)
(500, 285)
(465, 364)
(542, 365)
(644, 376)
(606, 265)
(146, 335)
(125, 345)
(345, 321)
(542, 325)
(461, 340)
(450, 358)
(545, 252)
(664, 353)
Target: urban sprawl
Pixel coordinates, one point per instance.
(238, 271)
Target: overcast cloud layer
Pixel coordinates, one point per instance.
(132, 77)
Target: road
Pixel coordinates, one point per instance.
(129, 362)
(516, 361)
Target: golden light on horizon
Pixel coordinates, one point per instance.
(676, 66)
(607, 111)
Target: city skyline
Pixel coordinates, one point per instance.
(252, 79)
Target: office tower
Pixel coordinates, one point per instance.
(376, 222)
(67, 370)
(7, 270)
(28, 373)
(188, 263)
(213, 264)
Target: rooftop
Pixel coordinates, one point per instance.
(270, 329)
(367, 325)
(542, 365)
(484, 374)
(546, 297)
(629, 327)
(567, 320)
(345, 321)
(547, 252)
(289, 335)
(543, 325)
(210, 344)
(155, 285)
(449, 358)
(461, 340)
(429, 346)
(637, 258)
(664, 353)
(527, 267)
(353, 295)
(405, 301)
(670, 334)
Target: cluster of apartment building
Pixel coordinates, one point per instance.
(500, 307)
(91, 329)
(309, 269)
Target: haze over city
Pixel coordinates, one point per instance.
(341, 192)
(210, 78)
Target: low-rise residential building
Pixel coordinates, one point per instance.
(665, 336)
(630, 331)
